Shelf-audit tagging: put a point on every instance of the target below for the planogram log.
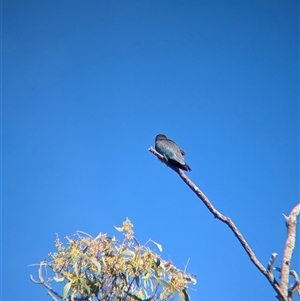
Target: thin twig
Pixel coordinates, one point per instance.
(271, 262)
(78, 231)
(292, 273)
(296, 286)
(229, 223)
(55, 296)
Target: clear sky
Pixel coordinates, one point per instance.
(86, 87)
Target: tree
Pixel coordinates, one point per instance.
(101, 268)
(283, 288)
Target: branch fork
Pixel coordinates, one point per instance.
(284, 293)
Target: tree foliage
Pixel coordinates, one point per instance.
(102, 268)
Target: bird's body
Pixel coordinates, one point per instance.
(170, 150)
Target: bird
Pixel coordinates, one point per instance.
(172, 153)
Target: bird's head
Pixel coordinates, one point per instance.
(160, 137)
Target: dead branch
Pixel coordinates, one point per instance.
(271, 262)
(291, 223)
(295, 287)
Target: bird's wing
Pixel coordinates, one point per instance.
(174, 152)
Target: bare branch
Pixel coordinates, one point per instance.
(296, 286)
(163, 159)
(271, 262)
(55, 296)
(267, 273)
(294, 274)
(291, 222)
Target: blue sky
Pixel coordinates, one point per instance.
(86, 87)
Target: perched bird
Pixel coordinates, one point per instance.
(170, 150)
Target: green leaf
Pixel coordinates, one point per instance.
(159, 246)
(87, 289)
(84, 285)
(66, 290)
(120, 229)
(157, 261)
(191, 279)
(96, 263)
(164, 283)
(183, 296)
(75, 268)
(73, 296)
(126, 253)
(58, 279)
